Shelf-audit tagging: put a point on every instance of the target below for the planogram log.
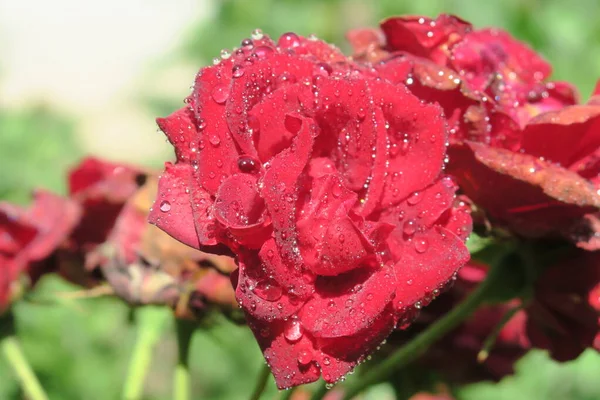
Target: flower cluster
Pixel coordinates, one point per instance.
(99, 233)
(330, 198)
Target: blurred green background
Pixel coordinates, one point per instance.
(90, 77)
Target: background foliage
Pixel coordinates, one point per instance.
(80, 348)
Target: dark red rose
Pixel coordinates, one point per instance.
(520, 148)
(101, 189)
(29, 235)
(563, 315)
(489, 65)
(543, 185)
(326, 181)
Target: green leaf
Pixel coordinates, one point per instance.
(539, 377)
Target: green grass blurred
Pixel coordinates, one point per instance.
(80, 348)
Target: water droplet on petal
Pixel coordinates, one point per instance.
(220, 93)
(257, 34)
(247, 44)
(247, 164)
(165, 206)
(214, 140)
(410, 227)
(323, 69)
(292, 330)
(305, 357)
(263, 51)
(421, 245)
(336, 190)
(268, 291)
(414, 198)
(225, 54)
(237, 71)
(288, 40)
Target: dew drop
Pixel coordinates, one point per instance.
(305, 357)
(225, 54)
(288, 40)
(247, 44)
(247, 164)
(165, 206)
(257, 34)
(421, 245)
(220, 93)
(324, 69)
(263, 51)
(336, 190)
(237, 71)
(214, 140)
(268, 291)
(414, 198)
(410, 227)
(292, 330)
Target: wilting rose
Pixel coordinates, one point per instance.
(144, 265)
(325, 180)
(28, 236)
(100, 188)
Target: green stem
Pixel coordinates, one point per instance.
(182, 379)
(261, 383)
(17, 361)
(417, 346)
(491, 339)
(150, 321)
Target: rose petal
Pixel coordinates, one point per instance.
(349, 306)
(563, 136)
(172, 211)
(539, 198)
(217, 154)
(291, 362)
(417, 145)
(181, 130)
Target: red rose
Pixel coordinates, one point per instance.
(28, 236)
(563, 317)
(488, 64)
(545, 183)
(326, 182)
(520, 149)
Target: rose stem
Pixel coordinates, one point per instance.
(13, 353)
(150, 322)
(261, 383)
(182, 380)
(413, 349)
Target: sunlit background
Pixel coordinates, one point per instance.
(89, 77)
